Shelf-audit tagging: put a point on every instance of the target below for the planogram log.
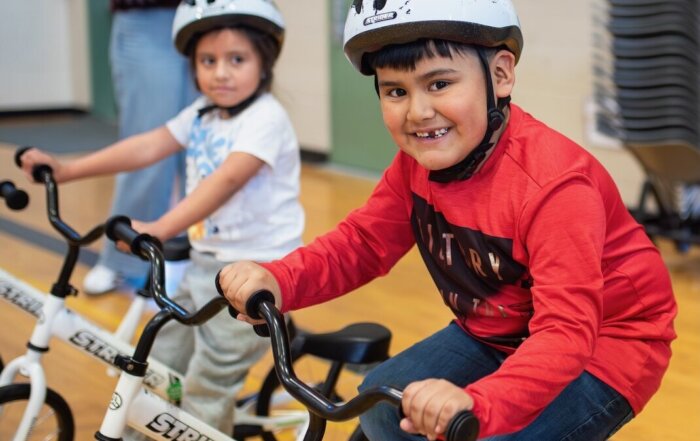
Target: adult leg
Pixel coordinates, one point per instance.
(450, 354)
(152, 84)
(586, 410)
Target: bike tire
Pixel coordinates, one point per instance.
(55, 421)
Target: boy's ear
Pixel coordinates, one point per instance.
(503, 70)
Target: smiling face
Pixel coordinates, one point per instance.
(436, 113)
(227, 66)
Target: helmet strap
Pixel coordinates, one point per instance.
(495, 119)
(232, 110)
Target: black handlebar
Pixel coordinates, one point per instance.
(18, 155)
(15, 199)
(463, 427)
(261, 305)
(147, 247)
(44, 174)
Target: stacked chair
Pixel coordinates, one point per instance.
(647, 74)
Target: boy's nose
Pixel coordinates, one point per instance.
(420, 109)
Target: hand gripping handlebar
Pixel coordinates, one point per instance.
(463, 427)
(261, 330)
(44, 174)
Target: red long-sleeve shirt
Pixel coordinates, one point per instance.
(535, 254)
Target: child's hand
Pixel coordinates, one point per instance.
(429, 405)
(241, 279)
(34, 157)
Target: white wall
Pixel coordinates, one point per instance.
(302, 77)
(554, 78)
(43, 55)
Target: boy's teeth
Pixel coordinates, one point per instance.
(435, 134)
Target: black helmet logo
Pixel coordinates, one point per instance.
(378, 5)
(357, 5)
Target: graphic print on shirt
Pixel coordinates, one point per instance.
(207, 151)
(474, 272)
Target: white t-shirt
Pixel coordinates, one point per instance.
(264, 220)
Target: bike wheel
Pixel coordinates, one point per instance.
(55, 420)
(273, 400)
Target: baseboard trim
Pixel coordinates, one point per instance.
(314, 157)
(68, 111)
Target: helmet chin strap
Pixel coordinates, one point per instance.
(232, 110)
(495, 119)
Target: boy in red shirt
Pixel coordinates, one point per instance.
(563, 307)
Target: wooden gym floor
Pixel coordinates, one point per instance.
(327, 196)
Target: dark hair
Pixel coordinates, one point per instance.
(405, 56)
(267, 47)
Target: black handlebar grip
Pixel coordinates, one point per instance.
(119, 228)
(463, 427)
(18, 155)
(15, 198)
(233, 312)
(251, 309)
(253, 302)
(252, 305)
(39, 171)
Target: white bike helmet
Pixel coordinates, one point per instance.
(194, 17)
(373, 24)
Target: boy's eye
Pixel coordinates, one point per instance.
(237, 59)
(439, 85)
(395, 93)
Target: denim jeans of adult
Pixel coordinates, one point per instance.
(152, 84)
(587, 410)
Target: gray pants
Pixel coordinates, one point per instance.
(215, 356)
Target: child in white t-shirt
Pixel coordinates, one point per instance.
(242, 182)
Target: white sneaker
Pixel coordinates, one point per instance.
(100, 280)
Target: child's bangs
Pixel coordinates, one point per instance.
(406, 56)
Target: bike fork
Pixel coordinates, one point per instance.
(36, 398)
(29, 365)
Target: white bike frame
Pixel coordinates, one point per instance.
(158, 419)
(149, 413)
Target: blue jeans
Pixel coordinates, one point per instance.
(587, 409)
(152, 83)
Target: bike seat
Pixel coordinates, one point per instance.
(359, 343)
